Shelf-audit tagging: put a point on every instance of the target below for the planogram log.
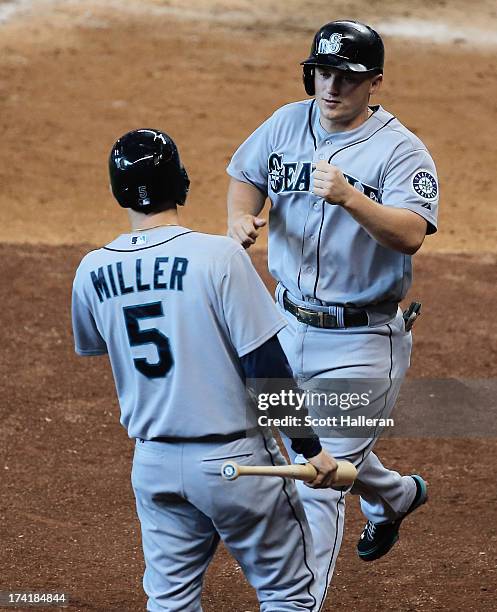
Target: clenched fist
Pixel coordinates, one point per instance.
(330, 184)
(326, 467)
(245, 229)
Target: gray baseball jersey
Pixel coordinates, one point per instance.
(164, 305)
(318, 251)
(320, 254)
(175, 310)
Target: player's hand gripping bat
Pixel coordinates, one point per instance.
(345, 475)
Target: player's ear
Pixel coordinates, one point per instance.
(376, 82)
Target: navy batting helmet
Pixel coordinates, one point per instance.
(344, 45)
(145, 171)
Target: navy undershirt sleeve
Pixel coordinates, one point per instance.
(269, 362)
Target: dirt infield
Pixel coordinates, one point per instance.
(74, 77)
(67, 517)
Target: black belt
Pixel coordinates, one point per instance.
(220, 438)
(352, 317)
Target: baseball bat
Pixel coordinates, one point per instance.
(345, 475)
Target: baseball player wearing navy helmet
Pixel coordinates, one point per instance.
(353, 193)
(186, 321)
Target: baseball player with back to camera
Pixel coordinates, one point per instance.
(353, 193)
(185, 319)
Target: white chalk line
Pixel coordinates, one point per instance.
(437, 32)
(414, 29)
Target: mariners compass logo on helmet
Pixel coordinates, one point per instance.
(330, 45)
(425, 184)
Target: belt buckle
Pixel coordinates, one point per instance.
(309, 318)
(299, 314)
(303, 315)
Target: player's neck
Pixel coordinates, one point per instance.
(139, 221)
(332, 126)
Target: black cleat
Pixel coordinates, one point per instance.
(377, 539)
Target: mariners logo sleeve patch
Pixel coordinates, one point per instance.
(425, 184)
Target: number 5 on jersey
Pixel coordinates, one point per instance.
(138, 337)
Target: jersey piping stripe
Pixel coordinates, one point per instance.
(299, 523)
(353, 144)
(309, 123)
(332, 554)
(317, 250)
(302, 254)
(386, 397)
(151, 246)
(389, 378)
(329, 160)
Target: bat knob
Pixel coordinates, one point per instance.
(229, 470)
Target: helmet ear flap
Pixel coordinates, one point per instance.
(184, 188)
(308, 78)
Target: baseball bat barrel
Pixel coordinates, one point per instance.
(345, 475)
